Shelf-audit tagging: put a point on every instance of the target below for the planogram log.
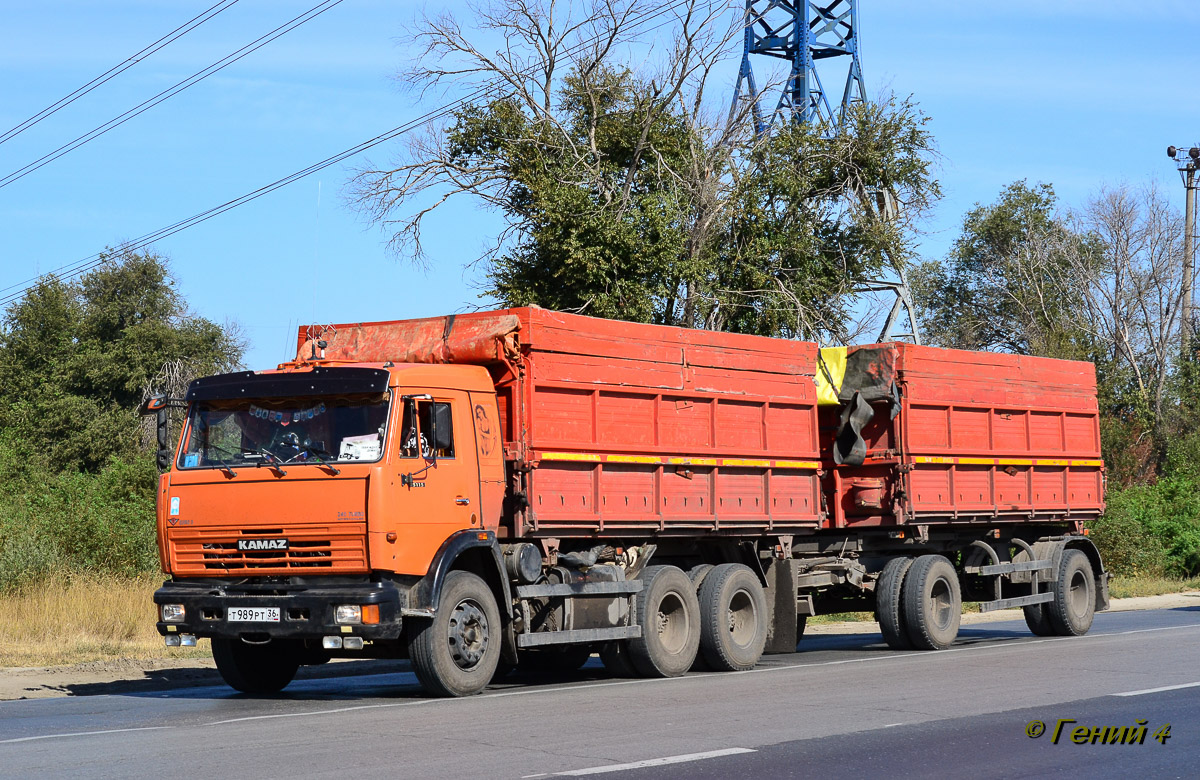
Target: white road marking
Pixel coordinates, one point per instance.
(599, 770)
(1159, 690)
(83, 734)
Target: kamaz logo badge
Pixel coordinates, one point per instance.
(248, 545)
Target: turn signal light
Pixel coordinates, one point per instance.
(370, 614)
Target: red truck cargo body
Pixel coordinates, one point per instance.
(642, 428)
(620, 428)
(977, 437)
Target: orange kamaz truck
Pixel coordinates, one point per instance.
(526, 487)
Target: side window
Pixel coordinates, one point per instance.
(427, 429)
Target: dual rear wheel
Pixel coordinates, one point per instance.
(918, 603)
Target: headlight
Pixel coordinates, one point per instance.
(348, 613)
(171, 613)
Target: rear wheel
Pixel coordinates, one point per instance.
(1074, 605)
(456, 653)
(266, 668)
(669, 615)
(733, 618)
(932, 602)
(888, 606)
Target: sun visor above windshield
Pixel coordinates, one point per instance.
(320, 381)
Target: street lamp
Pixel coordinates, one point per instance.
(1188, 162)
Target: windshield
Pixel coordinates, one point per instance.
(328, 429)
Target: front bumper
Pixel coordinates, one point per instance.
(306, 611)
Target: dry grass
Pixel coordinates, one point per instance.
(83, 618)
(1129, 587)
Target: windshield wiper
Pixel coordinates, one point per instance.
(221, 464)
(269, 459)
(319, 453)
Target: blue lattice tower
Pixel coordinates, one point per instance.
(804, 33)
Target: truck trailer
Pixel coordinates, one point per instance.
(525, 487)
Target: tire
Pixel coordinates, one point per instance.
(697, 574)
(931, 603)
(667, 610)
(1038, 620)
(1074, 606)
(889, 608)
(456, 653)
(615, 656)
(257, 669)
(733, 618)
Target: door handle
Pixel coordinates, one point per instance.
(462, 501)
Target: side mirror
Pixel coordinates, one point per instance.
(158, 406)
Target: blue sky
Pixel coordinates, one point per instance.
(1079, 94)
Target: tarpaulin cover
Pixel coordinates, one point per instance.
(470, 339)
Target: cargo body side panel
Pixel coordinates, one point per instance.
(978, 437)
(635, 429)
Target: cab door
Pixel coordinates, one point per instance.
(437, 475)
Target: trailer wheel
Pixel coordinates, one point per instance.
(932, 602)
(1074, 590)
(669, 615)
(1038, 620)
(733, 618)
(615, 656)
(456, 653)
(889, 610)
(255, 668)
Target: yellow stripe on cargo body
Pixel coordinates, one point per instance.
(633, 459)
(692, 461)
(796, 464)
(584, 456)
(743, 462)
(1087, 463)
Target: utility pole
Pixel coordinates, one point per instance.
(1187, 163)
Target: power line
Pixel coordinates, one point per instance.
(191, 80)
(118, 69)
(92, 261)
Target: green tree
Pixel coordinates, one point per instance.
(1010, 282)
(77, 357)
(626, 195)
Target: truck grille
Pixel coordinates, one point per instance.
(213, 551)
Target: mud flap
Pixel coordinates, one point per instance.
(783, 630)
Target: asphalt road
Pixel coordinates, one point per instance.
(844, 707)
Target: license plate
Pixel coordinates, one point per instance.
(253, 615)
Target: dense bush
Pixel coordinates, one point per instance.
(77, 483)
(1152, 529)
(55, 524)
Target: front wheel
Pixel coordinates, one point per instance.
(258, 669)
(456, 653)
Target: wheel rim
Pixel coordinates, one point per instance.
(1077, 594)
(468, 635)
(941, 603)
(743, 619)
(673, 624)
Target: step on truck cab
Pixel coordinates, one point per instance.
(526, 488)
